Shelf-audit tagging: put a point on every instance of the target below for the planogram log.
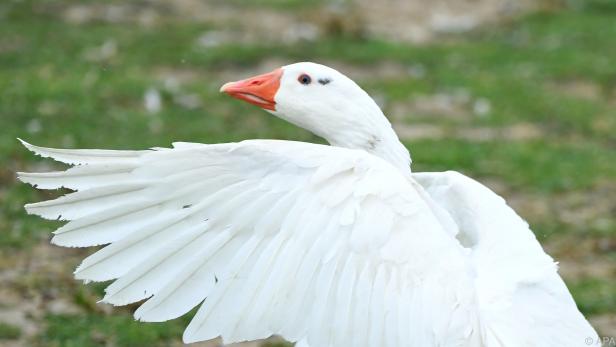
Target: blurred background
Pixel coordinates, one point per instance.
(518, 94)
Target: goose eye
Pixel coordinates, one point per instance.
(304, 79)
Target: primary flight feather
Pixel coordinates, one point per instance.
(337, 245)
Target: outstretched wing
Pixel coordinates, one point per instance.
(273, 237)
(523, 300)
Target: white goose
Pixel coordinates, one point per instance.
(332, 245)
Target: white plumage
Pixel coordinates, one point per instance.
(329, 245)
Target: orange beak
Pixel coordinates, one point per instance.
(259, 90)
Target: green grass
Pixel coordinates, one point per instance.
(54, 93)
(9, 332)
(594, 296)
(533, 165)
(98, 330)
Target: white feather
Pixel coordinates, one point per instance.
(325, 245)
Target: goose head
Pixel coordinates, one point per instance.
(326, 103)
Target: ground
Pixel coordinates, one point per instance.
(524, 102)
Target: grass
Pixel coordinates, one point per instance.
(96, 330)
(9, 332)
(594, 296)
(58, 89)
(525, 164)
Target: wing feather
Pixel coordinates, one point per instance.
(79, 204)
(520, 292)
(326, 245)
(115, 260)
(80, 177)
(84, 156)
(344, 300)
(111, 225)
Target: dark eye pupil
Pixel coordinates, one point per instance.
(304, 79)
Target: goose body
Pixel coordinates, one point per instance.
(337, 245)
